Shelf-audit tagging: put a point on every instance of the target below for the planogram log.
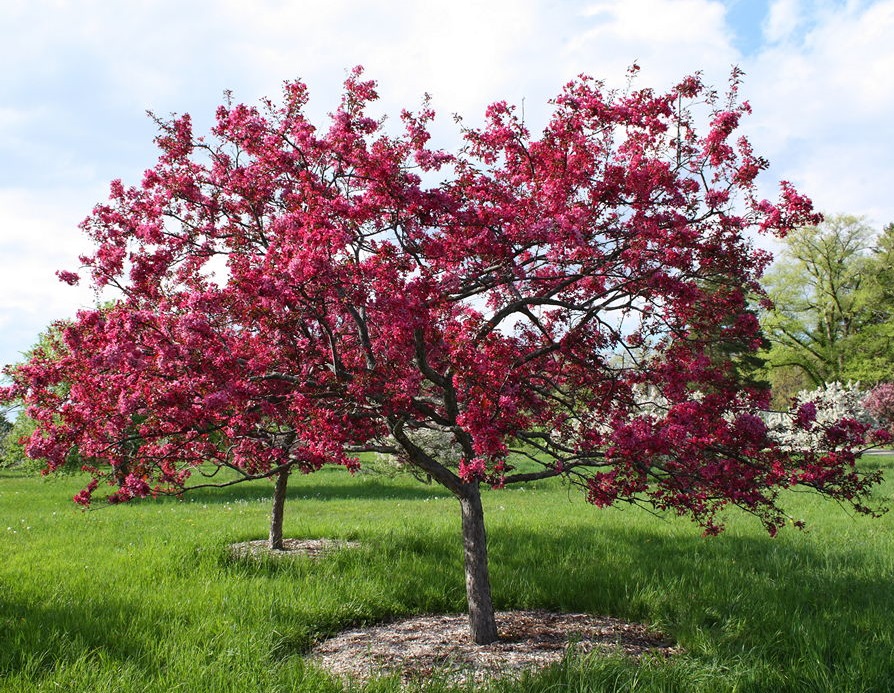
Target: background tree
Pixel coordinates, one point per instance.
(12, 432)
(815, 287)
(123, 439)
(871, 354)
(833, 314)
(291, 297)
(7, 455)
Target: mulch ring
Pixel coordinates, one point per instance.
(313, 548)
(438, 646)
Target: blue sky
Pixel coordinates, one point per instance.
(80, 75)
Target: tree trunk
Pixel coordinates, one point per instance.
(279, 504)
(482, 623)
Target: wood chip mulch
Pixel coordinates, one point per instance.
(438, 646)
(313, 548)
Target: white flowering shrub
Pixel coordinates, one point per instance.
(814, 413)
(439, 444)
(650, 401)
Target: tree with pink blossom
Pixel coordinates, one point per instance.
(879, 402)
(292, 296)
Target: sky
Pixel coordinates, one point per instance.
(80, 75)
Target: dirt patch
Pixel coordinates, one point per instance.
(438, 646)
(313, 548)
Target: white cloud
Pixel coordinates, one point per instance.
(38, 235)
(464, 52)
(817, 99)
(783, 19)
(668, 39)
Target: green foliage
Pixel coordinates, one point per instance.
(12, 449)
(7, 452)
(144, 597)
(12, 453)
(833, 315)
(871, 357)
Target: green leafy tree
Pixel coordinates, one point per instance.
(5, 429)
(871, 353)
(12, 451)
(817, 287)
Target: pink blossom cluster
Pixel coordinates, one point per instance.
(880, 403)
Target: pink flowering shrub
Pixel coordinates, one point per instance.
(832, 416)
(880, 403)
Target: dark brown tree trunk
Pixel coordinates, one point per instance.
(279, 504)
(482, 621)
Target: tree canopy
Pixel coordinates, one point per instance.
(872, 355)
(553, 306)
(833, 307)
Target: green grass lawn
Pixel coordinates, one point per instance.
(143, 597)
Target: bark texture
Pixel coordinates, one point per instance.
(279, 504)
(482, 622)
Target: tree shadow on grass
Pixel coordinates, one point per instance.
(814, 618)
(38, 639)
(308, 487)
(812, 610)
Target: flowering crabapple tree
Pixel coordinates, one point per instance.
(53, 354)
(879, 402)
(291, 296)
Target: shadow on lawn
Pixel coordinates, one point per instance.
(751, 613)
(36, 640)
(307, 487)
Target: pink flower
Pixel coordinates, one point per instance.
(70, 278)
(472, 470)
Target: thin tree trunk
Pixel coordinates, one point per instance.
(482, 622)
(279, 504)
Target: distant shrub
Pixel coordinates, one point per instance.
(813, 412)
(12, 451)
(880, 403)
